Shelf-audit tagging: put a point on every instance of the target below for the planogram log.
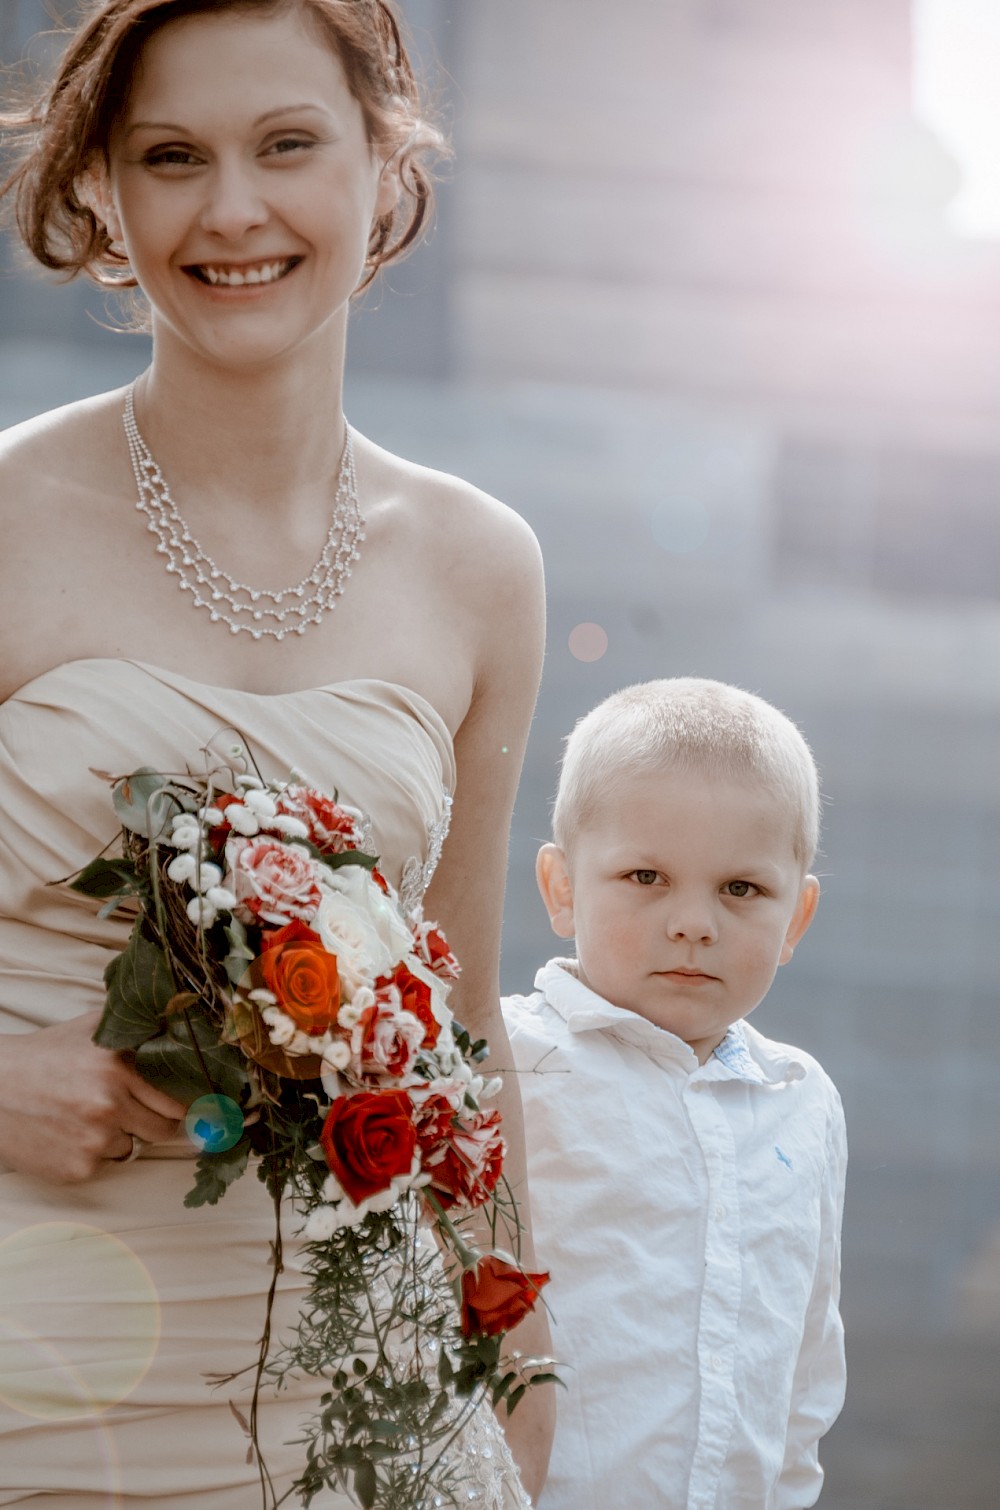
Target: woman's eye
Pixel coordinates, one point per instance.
(169, 157)
(740, 888)
(287, 145)
(645, 877)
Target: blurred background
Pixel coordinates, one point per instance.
(713, 299)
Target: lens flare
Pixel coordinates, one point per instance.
(214, 1123)
(79, 1321)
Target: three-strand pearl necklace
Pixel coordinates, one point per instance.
(258, 611)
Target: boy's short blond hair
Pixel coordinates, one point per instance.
(689, 723)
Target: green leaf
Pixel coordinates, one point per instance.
(171, 1061)
(365, 1483)
(215, 1172)
(515, 1397)
(140, 983)
(345, 857)
(140, 805)
(107, 878)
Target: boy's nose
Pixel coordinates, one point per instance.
(692, 921)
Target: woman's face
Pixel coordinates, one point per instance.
(242, 184)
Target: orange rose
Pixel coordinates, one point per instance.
(303, 976)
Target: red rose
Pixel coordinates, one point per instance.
(368, 1140)
(414, 996)
(434, 1114)
(496, 1296)
(432, 947)
(330, 828)
(274, 881)
(466, 1164)
(386, 1044)
(302, 975)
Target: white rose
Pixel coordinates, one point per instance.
(349, 933)
(355, 882)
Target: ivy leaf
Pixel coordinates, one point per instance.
(107, 878)
(141, 801)
(345, 857)
(140, 984)
(215, 1172)
(176, 1061)
(240, 953)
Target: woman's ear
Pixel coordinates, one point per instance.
(805, 911)
(388, 190)
(94, 190)
(552, 875)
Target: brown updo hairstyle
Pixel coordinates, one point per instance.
(70, 128)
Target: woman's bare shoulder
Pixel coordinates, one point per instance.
(464, 521)
(65, 447)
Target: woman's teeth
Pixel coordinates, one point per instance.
(238, 277)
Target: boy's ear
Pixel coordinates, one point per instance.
(552, 875)
(803, 915)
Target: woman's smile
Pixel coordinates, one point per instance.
(243, 275)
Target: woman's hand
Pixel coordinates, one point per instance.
(531, 1427)
(67, 1106)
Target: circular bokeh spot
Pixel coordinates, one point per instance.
(214, 1123)
(588, 642)
(79, 1321)
(680, 524)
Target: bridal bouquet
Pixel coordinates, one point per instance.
(271, 980)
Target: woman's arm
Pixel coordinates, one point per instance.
(466, 896)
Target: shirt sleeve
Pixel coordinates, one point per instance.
(820, 1373)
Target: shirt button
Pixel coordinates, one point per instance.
(720, 1212)
(716, 1363)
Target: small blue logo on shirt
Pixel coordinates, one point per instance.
(782, 1157)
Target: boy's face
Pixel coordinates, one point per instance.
(685, 896)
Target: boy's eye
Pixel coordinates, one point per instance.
(739, 888)
(645, 877)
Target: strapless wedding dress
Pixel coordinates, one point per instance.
(116, 1301)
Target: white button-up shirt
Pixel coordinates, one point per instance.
(690, 1215)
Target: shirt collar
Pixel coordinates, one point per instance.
(743, 1054)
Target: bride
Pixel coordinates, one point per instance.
(247, 164)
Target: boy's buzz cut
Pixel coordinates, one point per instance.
(689, 723)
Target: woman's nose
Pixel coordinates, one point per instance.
(233, 202)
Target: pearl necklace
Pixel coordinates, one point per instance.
(257, 610)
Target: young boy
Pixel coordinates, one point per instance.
(687, 1173)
